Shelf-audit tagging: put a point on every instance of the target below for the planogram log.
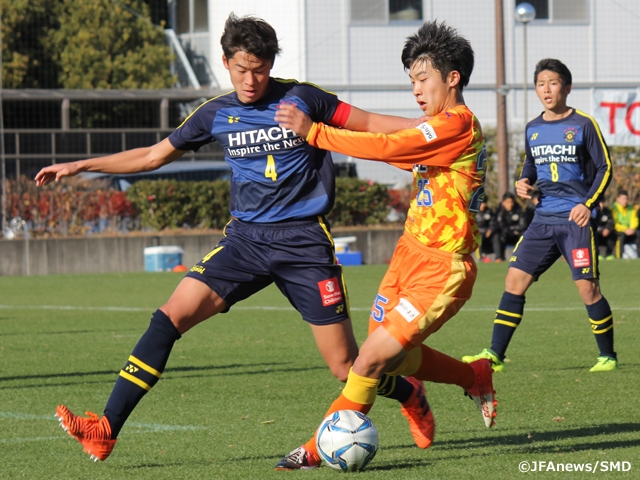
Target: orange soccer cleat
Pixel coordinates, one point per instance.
(418, 413)
(93, 433)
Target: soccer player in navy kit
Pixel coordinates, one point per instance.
(281, 188)
(569, 159)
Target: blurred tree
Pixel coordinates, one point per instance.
(109, 44)
(26, 62)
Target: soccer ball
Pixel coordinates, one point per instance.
(347, 440)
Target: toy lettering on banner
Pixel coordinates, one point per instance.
(618, 114)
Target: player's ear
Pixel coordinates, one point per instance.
(225, 62)
(454, 78)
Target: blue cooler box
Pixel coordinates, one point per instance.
(162, 259)
(349, 258)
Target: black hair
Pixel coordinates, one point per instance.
(623, 192)
(249, 34)
(508, 195)
(443, 47)
(553, 65)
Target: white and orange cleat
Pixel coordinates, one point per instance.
(482, 391)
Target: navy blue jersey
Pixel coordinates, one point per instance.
(276, 175)
(570, 161)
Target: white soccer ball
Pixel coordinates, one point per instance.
(347, 440)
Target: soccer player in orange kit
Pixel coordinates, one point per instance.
(432, 271)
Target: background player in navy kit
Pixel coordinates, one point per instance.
(569, 159)
(281, 188)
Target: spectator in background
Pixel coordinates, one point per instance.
(507, 225)
(625, 220)
(606, 232)
(530, 209)
(484, 216)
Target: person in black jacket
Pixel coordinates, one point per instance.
(606, 232)
(484, 216)
(507, 225)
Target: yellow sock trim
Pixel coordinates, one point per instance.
(600, 322)
(135, 380)
(359, 389)
(598, 332)
(144, 366)
(508, 324)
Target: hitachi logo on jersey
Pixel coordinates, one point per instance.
(258, 136)
(553, 150)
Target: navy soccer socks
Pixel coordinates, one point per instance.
(601, 320)
(142, 371)
(395, 387)
(508, 317)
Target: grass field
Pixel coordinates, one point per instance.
(244, 388)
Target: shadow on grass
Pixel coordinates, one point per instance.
(265, 369)
(545, 442)
(469, 448)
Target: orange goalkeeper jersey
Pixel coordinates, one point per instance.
(447, 155)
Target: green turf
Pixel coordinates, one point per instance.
(244, 388)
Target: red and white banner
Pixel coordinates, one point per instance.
(618, 114)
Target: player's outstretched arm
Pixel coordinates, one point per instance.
(363, 121)
(130, 161)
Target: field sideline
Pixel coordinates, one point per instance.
(244, 388)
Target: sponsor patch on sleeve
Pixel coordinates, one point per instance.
(428, 131)
(408, 311)
(330, 291)
(580, 257)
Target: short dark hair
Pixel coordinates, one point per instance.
(508, 195)
(443, 47)
(623, 192)
(556, 66)
(249, 34)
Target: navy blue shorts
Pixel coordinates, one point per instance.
(541, 245)
(297, 256)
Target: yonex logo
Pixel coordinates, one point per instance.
(131, 368)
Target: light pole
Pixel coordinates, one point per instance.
(524, 14)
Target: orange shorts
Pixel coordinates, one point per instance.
(423, 288)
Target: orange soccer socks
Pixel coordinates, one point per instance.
(437, 367)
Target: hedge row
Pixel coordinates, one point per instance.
(162, 204)
(76, 207)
